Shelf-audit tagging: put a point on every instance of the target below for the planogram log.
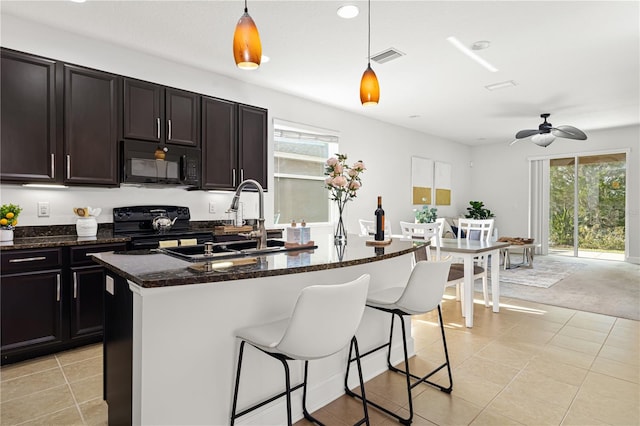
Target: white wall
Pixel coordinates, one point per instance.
(385, 149)
(501, 179)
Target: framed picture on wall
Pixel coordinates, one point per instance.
(442, 183)
(421, 181)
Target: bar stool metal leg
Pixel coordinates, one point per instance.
(406, 372)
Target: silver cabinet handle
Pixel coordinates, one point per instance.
(27, 259)
(58, 288)
(233, 178)
(241, 175)
(53, 166)
(75, 285)
(169, 133)
(158, 127)
(68, 166)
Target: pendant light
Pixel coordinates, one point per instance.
(247, 49)
(369, 87)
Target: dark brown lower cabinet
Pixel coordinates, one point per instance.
(86, 301)
(51, 300)
(31, 314)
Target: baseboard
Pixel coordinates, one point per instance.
(321, 394)
(634, 260)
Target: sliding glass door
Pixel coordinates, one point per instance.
(587, 206)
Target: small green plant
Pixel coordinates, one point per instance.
(426, 214)
(477, 211)
(9, 216)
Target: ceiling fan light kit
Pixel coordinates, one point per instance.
(546, 133)
(369, 87)
(247, 48)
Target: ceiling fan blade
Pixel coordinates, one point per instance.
(514, 141)
(526, 133)
(569, 132)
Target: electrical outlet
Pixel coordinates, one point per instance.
(212, 207)
(43, 209)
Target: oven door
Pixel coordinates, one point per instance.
(148, 163)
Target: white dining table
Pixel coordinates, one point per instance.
(467, 250)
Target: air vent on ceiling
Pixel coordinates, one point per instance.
(387, 55)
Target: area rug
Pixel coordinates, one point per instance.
(600, 286)
(545, 272)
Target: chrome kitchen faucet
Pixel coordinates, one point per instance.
(261, 233)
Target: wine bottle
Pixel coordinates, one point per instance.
(379, 221)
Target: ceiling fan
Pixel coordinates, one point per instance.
(546, 133)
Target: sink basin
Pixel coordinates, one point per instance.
(229, 250)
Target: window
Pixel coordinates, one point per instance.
(299, 159)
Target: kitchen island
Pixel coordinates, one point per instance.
(182, 320)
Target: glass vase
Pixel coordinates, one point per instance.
(340, 236)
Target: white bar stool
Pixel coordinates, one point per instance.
(324, 321)
(422, 293)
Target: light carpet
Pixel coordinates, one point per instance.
(601, 286)
(544, 273)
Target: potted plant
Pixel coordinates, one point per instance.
(477, 211)
(8, 220)
(426, 214)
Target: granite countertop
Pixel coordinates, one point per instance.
(46, 241)
(152, 269)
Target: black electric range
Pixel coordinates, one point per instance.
(136, 222)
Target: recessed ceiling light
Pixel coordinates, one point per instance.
(348, 11)
(464, 49)
(479, 45)
(264, 59)
(501, 85)
(78, 1)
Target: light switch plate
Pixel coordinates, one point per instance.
(43, 209)
(212, 207)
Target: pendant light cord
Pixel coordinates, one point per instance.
(368, 37)
(246, 10)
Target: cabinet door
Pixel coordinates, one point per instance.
(90, 128)
(253, 143)
(183, 115)
(29, 148)
(31, 313)
(86, 301)
(143, 111)
(219, 146)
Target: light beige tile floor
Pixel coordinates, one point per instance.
(530, 364)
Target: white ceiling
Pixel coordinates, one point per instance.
(578, 60)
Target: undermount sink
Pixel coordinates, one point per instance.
(228, 250)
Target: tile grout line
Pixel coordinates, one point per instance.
(75, 401)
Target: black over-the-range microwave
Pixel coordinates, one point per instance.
(148, 163)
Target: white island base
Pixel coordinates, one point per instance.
(185, 351)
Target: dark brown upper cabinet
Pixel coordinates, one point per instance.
(234, 144)
(219, 144)
(29, 147)
(90, 126)
(160, 114)
(252, 143)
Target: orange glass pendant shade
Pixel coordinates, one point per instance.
(369, 88)
(247, 49)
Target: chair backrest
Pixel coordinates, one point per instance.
(425, 287)
(476, 229)
(324, 319)
(368, 227)
(427, 231)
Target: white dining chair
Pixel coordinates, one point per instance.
(368, 228)
(423, 231)
(324, 321)
(474, 229)
(422, 293)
